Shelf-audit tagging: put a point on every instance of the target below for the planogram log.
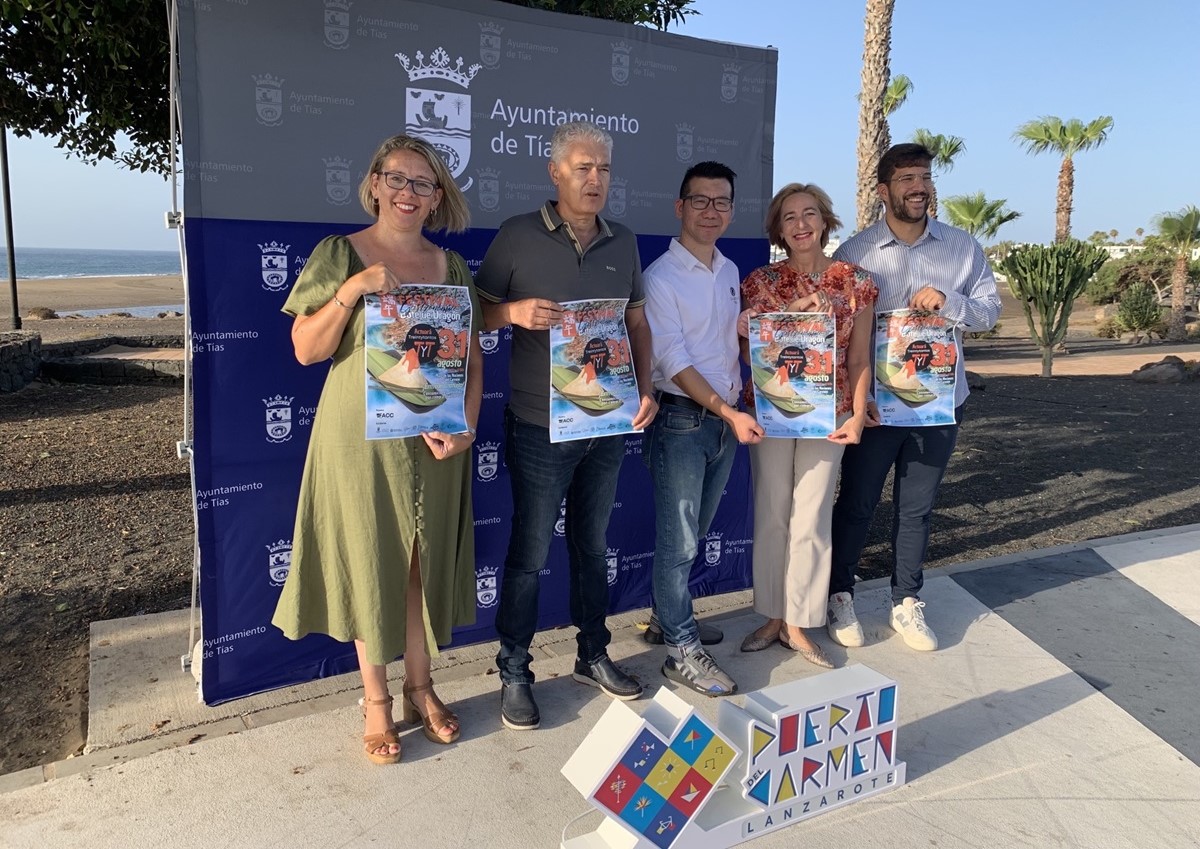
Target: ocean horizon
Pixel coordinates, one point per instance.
(65, 263)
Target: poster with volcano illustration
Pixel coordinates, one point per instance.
(416, 347)
(793, 363)
(593, 386)
(915, 357)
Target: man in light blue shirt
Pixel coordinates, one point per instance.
(918, 263)
(692, 306)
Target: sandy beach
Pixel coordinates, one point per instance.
(63, 295)
(91, 293)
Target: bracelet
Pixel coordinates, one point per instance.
(340, 304)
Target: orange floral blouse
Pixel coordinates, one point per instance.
(850, 290)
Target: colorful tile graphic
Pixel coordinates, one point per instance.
(657, 786)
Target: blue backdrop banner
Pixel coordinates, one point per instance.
(283, 104)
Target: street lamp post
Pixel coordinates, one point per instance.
(8, 228)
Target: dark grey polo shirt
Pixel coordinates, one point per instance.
(536, 255)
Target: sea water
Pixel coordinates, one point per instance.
(41, 263)
(60, 263)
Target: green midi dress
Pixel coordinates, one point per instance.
(364, 504)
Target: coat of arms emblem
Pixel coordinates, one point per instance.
(441, 117)
(337, 181)
(683, 142)
(279, 560)
(729, 82)
(487, 461)
(337, 24)
(279, 418)
(712, 549)
(487, 589)
(490, 44)
(274, 266)
(620, 63)
(268, 99)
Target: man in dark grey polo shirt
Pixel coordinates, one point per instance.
(565, 251)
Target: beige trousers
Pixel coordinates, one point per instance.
(793, 514)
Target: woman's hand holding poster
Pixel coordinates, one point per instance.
(417, 342)
(792, 359)
(915, 356)
(593, 387)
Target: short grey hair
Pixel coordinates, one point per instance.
(572, 132)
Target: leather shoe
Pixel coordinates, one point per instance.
(710, 635)
(518, 710)
(605, 674)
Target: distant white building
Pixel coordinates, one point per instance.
(1122, 251)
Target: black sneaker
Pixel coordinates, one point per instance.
(518, 710)
(710, 635)
(605, 674)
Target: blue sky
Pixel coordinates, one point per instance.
(979, 70)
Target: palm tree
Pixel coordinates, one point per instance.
(977, 215)
(1051, 133)
(1181, 232)
(872, 125)
(898, 89)
(944, 149)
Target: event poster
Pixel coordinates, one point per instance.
(593, 387)
(792, 361)
(915, 357)
(417, 343)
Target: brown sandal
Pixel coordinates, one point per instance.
(437, 720)
(382, 740)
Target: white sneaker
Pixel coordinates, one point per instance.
(908, 619)
(841, 622)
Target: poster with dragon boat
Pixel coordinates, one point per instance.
(593, 387)
(416, 347)
(915, 357)
(792, 364)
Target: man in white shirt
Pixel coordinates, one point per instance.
(918, 263)
(692, 305)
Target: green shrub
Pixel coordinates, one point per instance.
(1139, 310)
(1110, 328)
(1104, 287)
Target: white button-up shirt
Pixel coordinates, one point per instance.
(944, 257)
(692, 312)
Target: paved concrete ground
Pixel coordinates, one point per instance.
(1056, 712)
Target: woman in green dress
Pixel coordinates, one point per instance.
(383, 552)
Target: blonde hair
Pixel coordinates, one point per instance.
(452, 214)
(774, 222)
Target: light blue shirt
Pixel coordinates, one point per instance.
(692, 312)
(944, 257)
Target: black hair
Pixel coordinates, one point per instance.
(708, 170)
(904, 155)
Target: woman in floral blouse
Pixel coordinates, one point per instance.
(794, 479)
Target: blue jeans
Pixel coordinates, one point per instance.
(919, 456)
(689, 453)
(542, 473)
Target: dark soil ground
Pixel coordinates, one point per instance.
(95, 515)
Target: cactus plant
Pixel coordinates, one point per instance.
(1047, 279)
